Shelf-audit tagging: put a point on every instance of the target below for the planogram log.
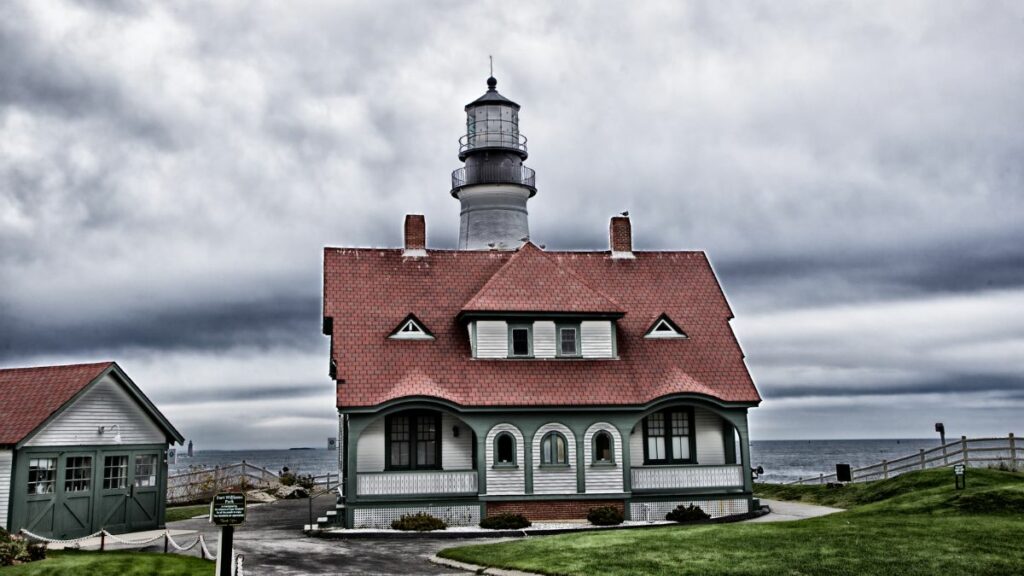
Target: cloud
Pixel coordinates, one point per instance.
(169, 174)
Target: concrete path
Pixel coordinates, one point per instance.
(789, 511)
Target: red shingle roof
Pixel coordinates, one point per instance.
(28, 396)
(368, 291)
(532, 281)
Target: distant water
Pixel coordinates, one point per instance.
(786, 460)
(783, 460)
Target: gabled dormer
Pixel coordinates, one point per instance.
(533, 307)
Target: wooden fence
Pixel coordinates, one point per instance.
(201, 485)
(977, 452)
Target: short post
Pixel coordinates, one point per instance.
(1013, 452)
(963, 449)
(103, 539)
(922, 458)
(167, 536)
(885, 469)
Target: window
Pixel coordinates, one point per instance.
(554, 450)
(603, 448)
(411, 329)
(664, 327)
(77, 473)
(413, 442)
(115, 472)
(520, 342)
(568, 340)
(145, 470)
(668, 437)
(504, 450)
(41, 474)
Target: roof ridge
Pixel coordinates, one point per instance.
(57, 366)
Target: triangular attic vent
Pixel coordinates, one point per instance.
(411, 329)
(664, 327)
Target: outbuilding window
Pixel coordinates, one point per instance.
(412, 441)
(504, 450)
(554, 450)
(115, 472)
(669, 438)
(145, 470)
(41, 475)
(604, 448)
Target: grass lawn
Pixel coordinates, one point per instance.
(914, 524)
(186, 512)
(75, 563)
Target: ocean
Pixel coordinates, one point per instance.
(782, 460)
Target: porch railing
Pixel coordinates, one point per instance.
(670, 477)
(968, 451)
(426, 482)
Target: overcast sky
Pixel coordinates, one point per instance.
(170, 172)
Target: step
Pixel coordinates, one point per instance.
(332, 513)
(321, 520)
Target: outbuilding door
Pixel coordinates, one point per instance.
(130, 496)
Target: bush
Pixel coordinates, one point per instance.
(689, 513)
(506, 521)
(605, 516)
(17, 550)
(419, 522)
(306, 481)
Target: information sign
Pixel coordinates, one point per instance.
(228, 509)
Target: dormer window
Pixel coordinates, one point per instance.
(568, 340)
(664, 327)
(520, 341)
(411, 329)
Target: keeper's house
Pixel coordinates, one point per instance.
(501, 377)
(81, 448)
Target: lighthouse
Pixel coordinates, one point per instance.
(493, 186)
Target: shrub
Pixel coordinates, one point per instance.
(419, 522)
(506, 521)
(306, 481)
(287, 478)
(605, 516)
(689, 513)
(16, 550)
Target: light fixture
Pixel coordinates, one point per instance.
(115, 428)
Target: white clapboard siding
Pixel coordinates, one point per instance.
(456, 453)
(636, 446)
(6, 464)
(596, 338)
(106, 403)
(544, 339)
(501, 481)
(491, 339)
(554, 480)
(710, 444)
(602, 478)
(370, 448)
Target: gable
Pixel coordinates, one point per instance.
(664, 327)
(105, 403)
(411, 328)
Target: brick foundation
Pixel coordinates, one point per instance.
(551, 509)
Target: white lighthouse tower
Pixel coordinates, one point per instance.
(494, 185)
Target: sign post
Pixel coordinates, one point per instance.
(227, 511)
(959, 471)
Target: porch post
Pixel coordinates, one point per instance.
(627, 473)
(482, 465)
(356, 425)
(741, 427)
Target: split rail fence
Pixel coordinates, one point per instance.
(975, 452)
(199, 486)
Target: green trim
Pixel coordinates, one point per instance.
(701, 490)
(510, 328)
(553, 434)
(533, 497)
(667, 423)
(505, 464)
(593, 448)
(434, 401)
(472, 315)
(729, 439)
(412, 417)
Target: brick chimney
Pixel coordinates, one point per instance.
(620, 236)
(415, 236)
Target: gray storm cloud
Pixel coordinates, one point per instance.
(169, 174)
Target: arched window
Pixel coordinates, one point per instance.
(554, 450)
(504, 450)
(604, 448)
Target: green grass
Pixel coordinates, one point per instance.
(76, 563)
(186, 512)
(914, 524)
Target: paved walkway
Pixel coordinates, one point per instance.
(789, 511)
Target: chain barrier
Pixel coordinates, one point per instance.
(238, 565)
(134, 542)
(61, 542)
(202, 542)
(165, 534)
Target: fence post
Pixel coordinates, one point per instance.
(103, 539)
(1013, 452)
(922, 458)
(945, 458)
(963, 450)
(885, 469)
